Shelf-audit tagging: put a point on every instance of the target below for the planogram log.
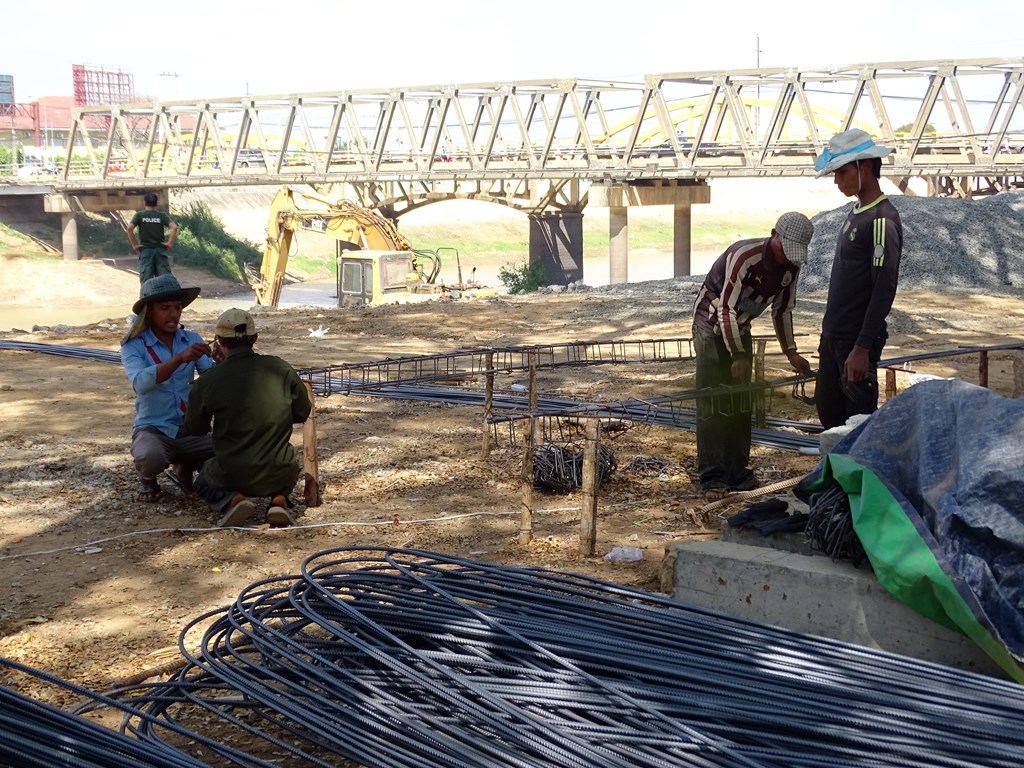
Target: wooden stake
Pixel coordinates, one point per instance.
(890, 383)
(526, 475)
(526, 488)
(485, 450)
(983, 369)
(588, 515)
(310, 465)
(533, 382)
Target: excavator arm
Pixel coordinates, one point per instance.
(343, 220)
(275, 250)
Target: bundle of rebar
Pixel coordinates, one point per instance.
(830, 526)
(559, 468)
(646, 465)
(393, 658)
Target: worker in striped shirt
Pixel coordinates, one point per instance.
(750, 276)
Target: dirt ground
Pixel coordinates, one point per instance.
(97, 585)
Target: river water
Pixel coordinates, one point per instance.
(313, 293)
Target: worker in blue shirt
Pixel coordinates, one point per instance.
(162, 359)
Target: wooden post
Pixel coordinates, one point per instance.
(1018, 373)
(310, 465)
(526, 475)
(890, 383)
(488, 404)
(983, 369)
(526, 487)
(588, 515)
(759, 398)
(533, 382)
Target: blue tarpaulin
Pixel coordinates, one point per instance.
(935, 480)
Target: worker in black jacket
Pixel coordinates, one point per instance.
(863, 281)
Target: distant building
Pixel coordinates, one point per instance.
(42, 125)
(40, 128)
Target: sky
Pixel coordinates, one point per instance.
(195, 50)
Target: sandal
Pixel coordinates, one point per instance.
(715, 492)
(747, 483)
(240, 509)
(149, 490)
(181, 477)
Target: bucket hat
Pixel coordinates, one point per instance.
(164, 288)
(796, 231)
(846, 147)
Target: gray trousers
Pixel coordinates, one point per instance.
(153, 451)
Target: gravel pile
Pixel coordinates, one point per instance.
(947, 244)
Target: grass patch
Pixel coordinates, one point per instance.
(486, 242)
(507, 242)
(522, 278)
(202, 241)
(204, 244)
(14, 242)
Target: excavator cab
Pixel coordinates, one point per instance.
(373, 277)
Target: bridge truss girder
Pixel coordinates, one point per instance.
(532, 143)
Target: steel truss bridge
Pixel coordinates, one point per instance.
(537, 145)
(550, 148)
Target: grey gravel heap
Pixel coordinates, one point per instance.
(975, 245)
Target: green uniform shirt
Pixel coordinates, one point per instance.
(152, 225)
(252, 400)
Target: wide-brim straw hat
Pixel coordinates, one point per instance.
(164, 288)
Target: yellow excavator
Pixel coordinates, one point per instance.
(376, 263)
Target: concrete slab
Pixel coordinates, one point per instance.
(811, 594)
(788, 542)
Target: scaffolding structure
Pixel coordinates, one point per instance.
(97, 85)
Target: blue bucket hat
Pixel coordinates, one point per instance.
(846, 147)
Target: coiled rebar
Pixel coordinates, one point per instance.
(393, 658)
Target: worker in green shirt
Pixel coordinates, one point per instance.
(157, 232)
(252, 401)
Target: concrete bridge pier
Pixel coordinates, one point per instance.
(618, 244)
(681, 240)
(69, 236)
(619, 197)
(556, 244)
